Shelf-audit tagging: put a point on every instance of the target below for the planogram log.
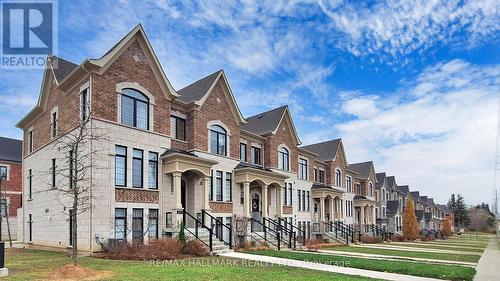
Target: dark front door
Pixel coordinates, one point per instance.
(183, 194)
(256, 215)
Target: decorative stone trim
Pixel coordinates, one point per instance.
(287, 210)
(136, 196)
(221, 207)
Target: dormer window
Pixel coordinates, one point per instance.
(218, 140)
(135, 109)
(284, 159)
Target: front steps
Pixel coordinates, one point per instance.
(218, 247)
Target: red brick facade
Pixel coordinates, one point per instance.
(284, 135)
(12, 188)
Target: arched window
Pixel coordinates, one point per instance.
(134, 109)
(284, 159)
(338, 178)
(218, 140)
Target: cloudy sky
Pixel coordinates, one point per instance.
(412, 85)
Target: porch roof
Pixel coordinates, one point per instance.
(245, 172)
(179, 161)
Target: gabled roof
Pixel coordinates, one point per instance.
(11, 150)
(430, 201)
(267, 123)
(363, 169)
(392, 206)
(327, 150)
(423, 199)
(404, 188)
(61, 67)
(197, 90)
(415, 195)
(381, 178)
(391, 182)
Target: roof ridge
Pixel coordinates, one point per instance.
(204, 77)
(323, 142)
(270, 110)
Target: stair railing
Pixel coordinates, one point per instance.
(198, 225)
(214, 222)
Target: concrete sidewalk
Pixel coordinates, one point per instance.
(400, 258)
(488, 267)
(410, 249)
(327, 268)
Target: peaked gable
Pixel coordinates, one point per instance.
(267, 123)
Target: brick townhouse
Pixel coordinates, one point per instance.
(11, 157)
(179, 157)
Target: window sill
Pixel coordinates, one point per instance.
(181, 141)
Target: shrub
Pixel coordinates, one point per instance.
(162, 249)
(182, 235)
(264, 244)
(197, 248)
(313, 244)
(397, 238)
(370, 239)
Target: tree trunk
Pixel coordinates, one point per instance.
(74, 233)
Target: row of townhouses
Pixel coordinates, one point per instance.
(174, 158)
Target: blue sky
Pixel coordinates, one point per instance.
(412, 85)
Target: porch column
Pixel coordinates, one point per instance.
(279, 204)
(332, 213)
(177, 189)
(322, 209)
(206, 184)
(246, 199)
(264, 201)
(362, 216)
(373, 215)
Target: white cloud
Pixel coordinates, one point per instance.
(398, 28)
(361, 107)
(440, 138)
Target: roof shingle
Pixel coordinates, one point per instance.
(326, 150)
(265, 122)
(198, 89)
(62, 68)
(11, 150)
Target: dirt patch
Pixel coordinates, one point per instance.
(14, 250)
(71, 272)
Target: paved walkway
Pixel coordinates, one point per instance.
(327, 268)
(409, 249)
(433, 246)
(488, 266)
(365, 255)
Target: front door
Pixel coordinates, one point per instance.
(183, 194)
(256, 213)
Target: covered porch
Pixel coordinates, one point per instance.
(327, 202)
(189, 177)
(365, 212)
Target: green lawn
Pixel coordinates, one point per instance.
(436, 247)
(449, 272)
(36, 265)
(439, 256)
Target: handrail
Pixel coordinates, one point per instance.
(332, 228)
(298, 230)
(266, 230)
(197, 222)
(279, 228)
(218, 222)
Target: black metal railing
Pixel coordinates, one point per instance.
(186, 217)
(219, 225)
(333, 230)
(267, 233)
(288, 225)
(287, 236)
(379, 232)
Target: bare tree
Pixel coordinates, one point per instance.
(78, 150)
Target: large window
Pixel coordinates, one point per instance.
(137, 224)
(285, 195)
(303, 200)
(303, 169)
(321, 176)
(290, 193)
(255, 155)
(120, 223)
(308, 201)
(298, 200)
(135, 109)
(229, 187)
(348, 184)
(137, 168)
(284, 159)
(153, 223)
(211, 187)
(338, 178)
(243, 152)
(218, 140)
(178, 127)
(370, 189)
(218, 185)
(153, 170)
(120, 165)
